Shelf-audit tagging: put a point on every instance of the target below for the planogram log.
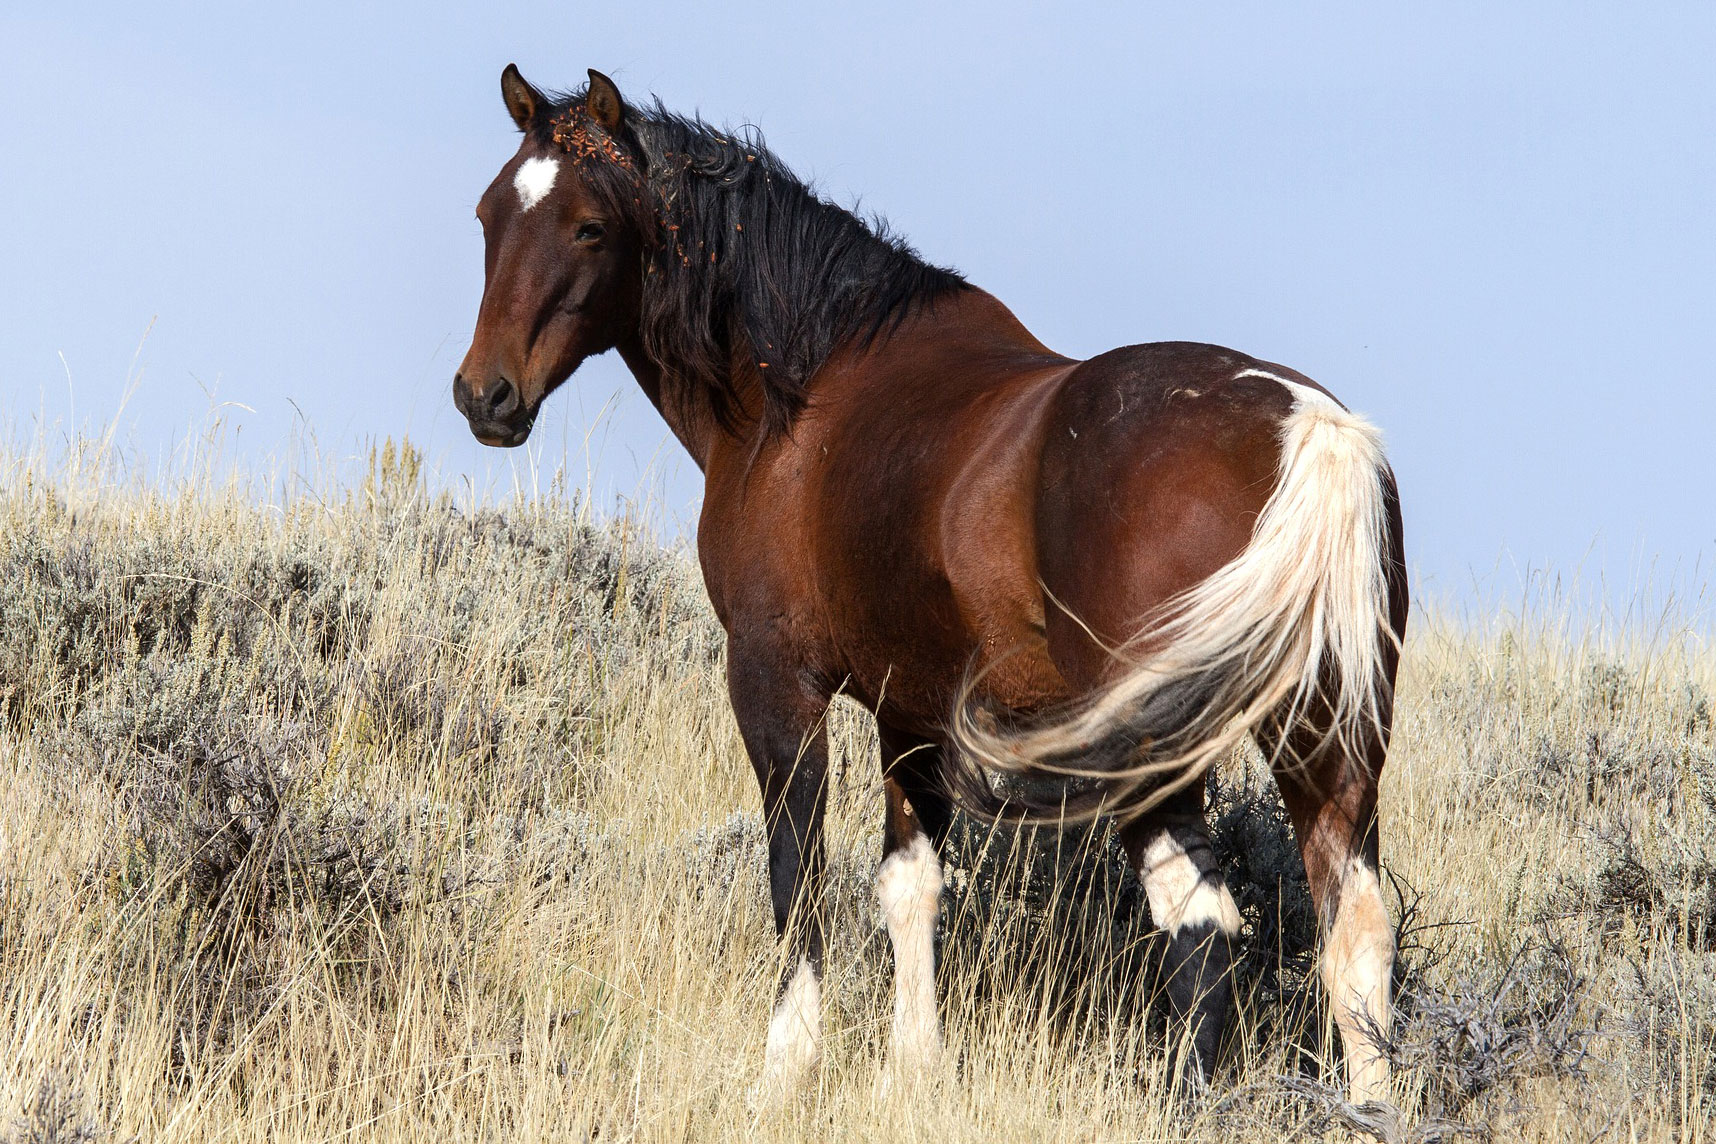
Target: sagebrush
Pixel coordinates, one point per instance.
(361, 811)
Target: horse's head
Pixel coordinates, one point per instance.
(563, 263)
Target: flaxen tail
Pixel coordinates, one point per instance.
(1294, 628)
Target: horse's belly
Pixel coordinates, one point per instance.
(911, 655)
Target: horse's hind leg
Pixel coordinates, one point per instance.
(1331, 798)
(1170, 849)
(908, 887)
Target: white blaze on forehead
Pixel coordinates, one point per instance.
(535, 178)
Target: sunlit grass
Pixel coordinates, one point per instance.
(336, 810)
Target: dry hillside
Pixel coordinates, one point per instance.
(357, 813)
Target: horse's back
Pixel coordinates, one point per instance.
(1156, 462)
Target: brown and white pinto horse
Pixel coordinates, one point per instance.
(1115, 568)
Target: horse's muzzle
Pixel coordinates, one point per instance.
(502, 435)
(496, 412)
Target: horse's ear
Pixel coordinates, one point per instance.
(603, 102)
(522, 100)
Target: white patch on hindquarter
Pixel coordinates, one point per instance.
(1304, 396)
(1358, 965)
(908, 886)
(1179, 895)
(535, 178)
(1265, 374)
(795, 1032)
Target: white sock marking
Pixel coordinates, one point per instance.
(908, 886)
(1358, 964)
(1179, 895)
(535, 178)
(795, 1031)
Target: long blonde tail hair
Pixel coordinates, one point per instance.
(1293, 627)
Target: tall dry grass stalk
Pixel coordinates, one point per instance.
(343, 811)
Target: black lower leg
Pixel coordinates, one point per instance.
(1197, 976)
(794, 812)
(1190, 903)
(782, 723)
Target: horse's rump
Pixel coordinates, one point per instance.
(1232, 570)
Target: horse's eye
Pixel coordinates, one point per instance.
(591, 232)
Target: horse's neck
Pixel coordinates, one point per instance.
(973, 320)
(688, 409)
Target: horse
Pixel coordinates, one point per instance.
(1105, 572)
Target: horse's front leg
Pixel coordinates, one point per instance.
(781, 716)
(908, 887)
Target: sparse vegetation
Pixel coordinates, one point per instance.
(361, 812)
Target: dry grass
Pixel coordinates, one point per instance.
(364, 815)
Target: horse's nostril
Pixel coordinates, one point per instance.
(497, 401)
(503, 399)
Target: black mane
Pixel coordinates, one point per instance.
(744, 262)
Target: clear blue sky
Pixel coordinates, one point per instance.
(1490, 227)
